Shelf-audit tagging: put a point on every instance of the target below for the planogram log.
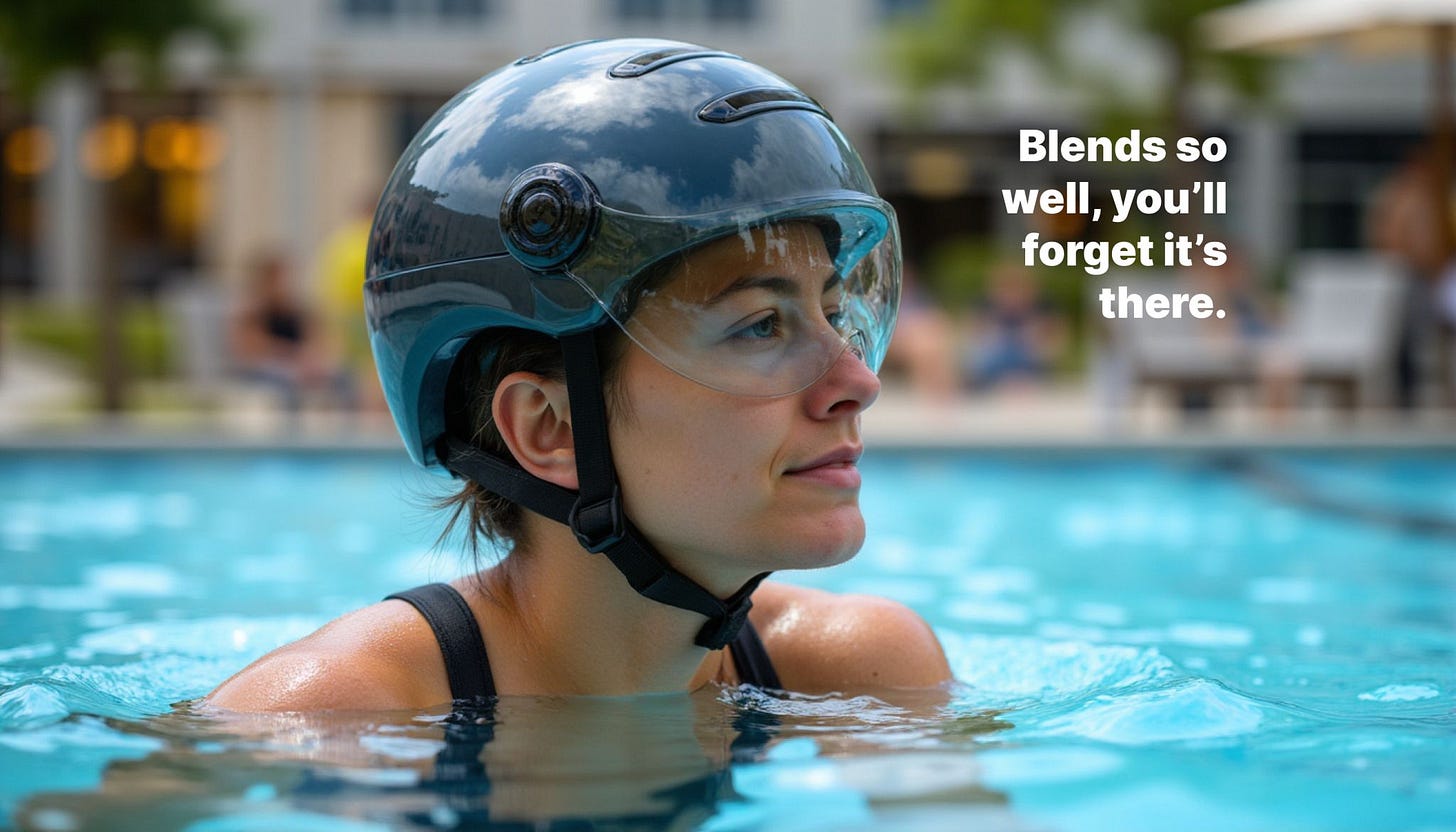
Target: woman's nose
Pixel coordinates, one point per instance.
(847, 388)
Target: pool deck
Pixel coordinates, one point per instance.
(39, 408)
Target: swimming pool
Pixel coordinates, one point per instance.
(1170, 640)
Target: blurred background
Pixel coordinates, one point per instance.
(187, 186)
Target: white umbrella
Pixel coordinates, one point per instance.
(1363, 26)
(1367, 26)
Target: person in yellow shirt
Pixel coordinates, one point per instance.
(341, 274)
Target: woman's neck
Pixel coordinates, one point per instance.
(578, 628)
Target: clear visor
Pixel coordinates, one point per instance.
(765, 310)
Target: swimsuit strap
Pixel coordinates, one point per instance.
(751, 659)
(459, 636)
(469, 668)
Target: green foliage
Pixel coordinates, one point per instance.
(958, 275)
(954, 40)
(957, 37)
(957, 272)
(1175, 23)
(70, 332)
(40, 38)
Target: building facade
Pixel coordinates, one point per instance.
(282, 149)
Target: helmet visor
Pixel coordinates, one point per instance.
(762, 308)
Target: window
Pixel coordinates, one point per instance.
(461, 10)
(641, 9)
(1339, 172)
(717, 11)
(20, 202)
(429, 12)
(369, 9)
(730, 11)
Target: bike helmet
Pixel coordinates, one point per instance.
(552, 194)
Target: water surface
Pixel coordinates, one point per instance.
(1144, 642)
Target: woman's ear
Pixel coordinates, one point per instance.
(533, 415)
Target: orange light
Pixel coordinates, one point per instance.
(109, 148)
(29, 151)
(198, 147)
(937, 172)
(171, 144)
(158, 143)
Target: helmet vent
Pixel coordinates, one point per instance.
(531, 59)
(645, 62)
(744, 103)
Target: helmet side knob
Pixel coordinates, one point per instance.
(547, 214)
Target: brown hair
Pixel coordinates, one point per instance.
(478, 371)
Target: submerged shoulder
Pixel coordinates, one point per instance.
(381, 657)
(822, 641)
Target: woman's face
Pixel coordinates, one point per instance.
(727, 485)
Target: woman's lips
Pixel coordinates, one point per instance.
(833, 474)
(836, 469)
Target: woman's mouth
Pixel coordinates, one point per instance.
(836, 469)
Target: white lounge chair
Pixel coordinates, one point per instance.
(1341, 330)
(1343, 323)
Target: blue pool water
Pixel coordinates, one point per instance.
(1145, 641)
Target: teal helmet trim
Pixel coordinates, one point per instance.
(537, 196)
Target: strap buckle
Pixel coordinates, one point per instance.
(598, 525)
(717, 632)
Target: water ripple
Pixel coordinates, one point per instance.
(1022, 666)
(1190, 709)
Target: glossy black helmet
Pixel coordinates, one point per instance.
(536, 196)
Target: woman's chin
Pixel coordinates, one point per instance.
(827, 545)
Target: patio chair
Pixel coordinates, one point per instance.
(1343, 324)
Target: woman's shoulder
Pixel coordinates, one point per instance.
(823, 641)
(381, 657)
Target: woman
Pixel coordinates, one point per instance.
(632, 293)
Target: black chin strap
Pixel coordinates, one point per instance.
(594, 514)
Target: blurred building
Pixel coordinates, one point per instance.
(281, 150)
(338, 87)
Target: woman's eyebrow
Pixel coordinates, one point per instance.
(779, 285)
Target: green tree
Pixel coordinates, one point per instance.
(957, 42)
(42, 39)
(953, 42)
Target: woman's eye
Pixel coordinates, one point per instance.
(765, 327)
(836, 318)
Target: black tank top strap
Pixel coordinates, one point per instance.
(751, 659)
(468, 667)
(460, 643)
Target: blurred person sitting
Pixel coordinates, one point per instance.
(923, 349)
(276, 341)
(1233, 289)
(1246, 330)
(1016, 335)
(1405, 220)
